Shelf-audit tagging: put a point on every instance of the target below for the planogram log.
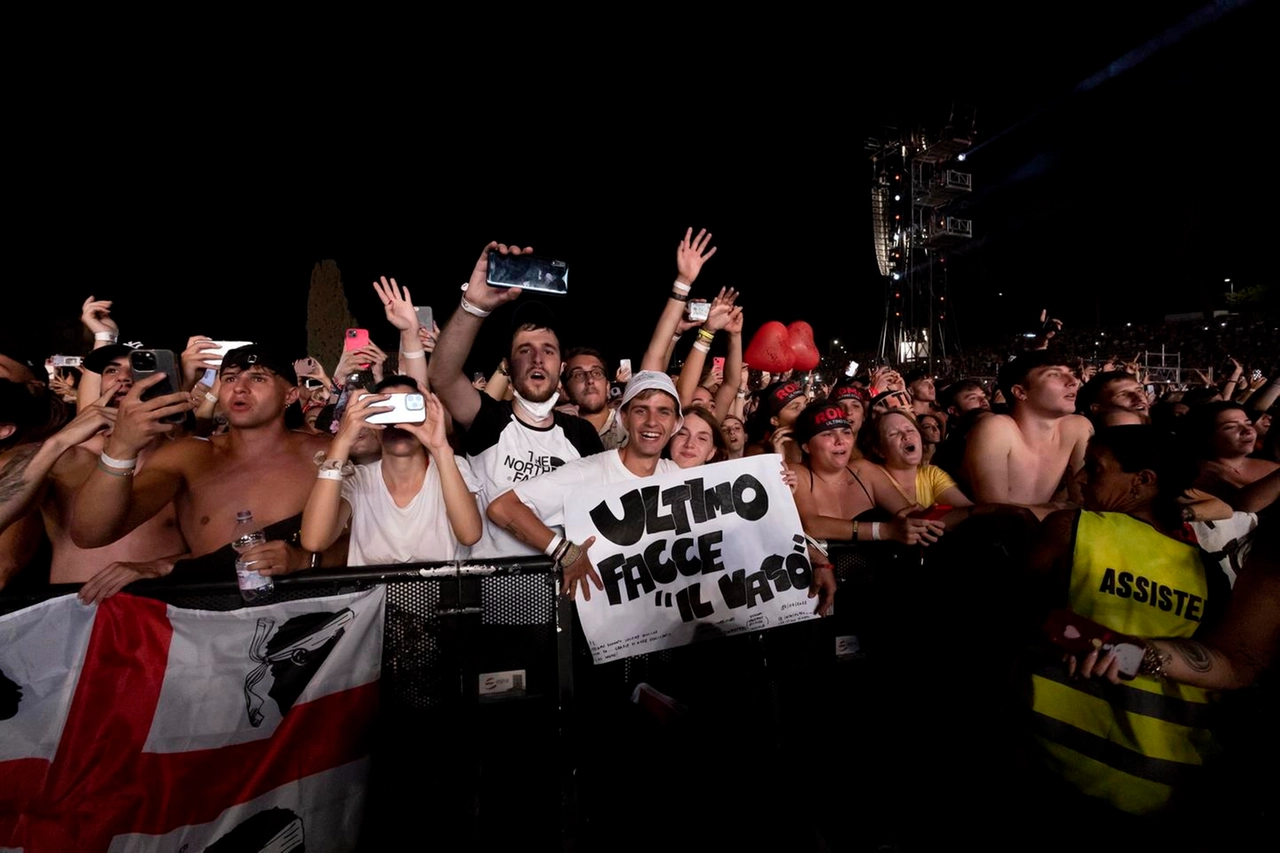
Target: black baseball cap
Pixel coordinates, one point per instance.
(97, 360)
(261, 356)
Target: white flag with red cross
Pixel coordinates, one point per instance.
(135, 725)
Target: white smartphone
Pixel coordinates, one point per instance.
(625, 364)
(407, 408)
(425, 318)
(66, 361)
(851, 369)
(699, 311)
(223, 347)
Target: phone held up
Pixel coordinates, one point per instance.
(698, 312)
(406, 408)
(529, 272)
(356, 339)
(148, 362)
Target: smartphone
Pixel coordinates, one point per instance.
(1079, 635)
(407, 408)
(851, 369)
(66, 361)
(625, 365)
(425, 318)
(529, 272)
(717, 364)
(146, 362)
(698, 311)
(356, 339)
(223, 347)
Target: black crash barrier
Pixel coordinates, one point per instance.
(829, 734)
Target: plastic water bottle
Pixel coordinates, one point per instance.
(253, 586)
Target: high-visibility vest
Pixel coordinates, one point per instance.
(1130, 744)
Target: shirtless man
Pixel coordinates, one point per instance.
(1114, 398)
(1023, 458)
(258, 465)
(148, 551)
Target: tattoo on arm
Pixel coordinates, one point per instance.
(1195, 655)
(11, 477)
(514, 529)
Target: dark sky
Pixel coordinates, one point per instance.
(1118, 175)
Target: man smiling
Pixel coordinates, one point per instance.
(651, 413)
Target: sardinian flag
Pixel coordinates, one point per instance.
(139, 726)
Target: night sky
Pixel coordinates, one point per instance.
(1120, 174)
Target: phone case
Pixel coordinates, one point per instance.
(529, 272)
(409, 409)
(355, 339)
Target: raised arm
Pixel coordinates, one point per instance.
(459, 503)
(399, 309)
(730, 385)
(445, 372)
(95, 314)
(721, 313)
(326, 513)
(113, 501)
(691, 253)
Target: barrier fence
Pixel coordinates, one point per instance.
(853, 709)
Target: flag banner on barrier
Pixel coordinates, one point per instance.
(135, 725)
(690, 555)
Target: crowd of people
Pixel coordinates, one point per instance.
(1145, 513)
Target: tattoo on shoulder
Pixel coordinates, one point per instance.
(1194, 655)
(14, 471)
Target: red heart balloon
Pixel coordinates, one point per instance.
(806, 352)
(770, 349)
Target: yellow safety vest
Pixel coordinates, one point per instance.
(1129, 744)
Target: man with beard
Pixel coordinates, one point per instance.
(507, 441)
(587, 386)
(414, 503)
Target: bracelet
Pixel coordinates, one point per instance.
(414, 353)
(706, 335)
(1152, 662)
(702, 346)
(330, 474)
(681, 286)
(556, 541)
(210, 396)
(570, 556)
(122, 472)
(473, 310)
(875, 531)
(855, 528)
(679, 297)
(106, 336)
(118, 464)
(676, 337)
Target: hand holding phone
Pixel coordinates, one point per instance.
(145, 363)
(406, 408)
(697, 312)
(528, 272)
(356, 339)
(1080, 635)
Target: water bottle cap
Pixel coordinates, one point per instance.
(244, 515)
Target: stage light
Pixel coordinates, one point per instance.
(961, 157)
(897, 198)
(896, 276)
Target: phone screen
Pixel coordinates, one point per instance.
(529, 272)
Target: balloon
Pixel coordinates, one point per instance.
(770, 349)
(806, 352)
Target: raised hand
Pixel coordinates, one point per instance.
(96, 316)
(431, 432)
(399, 306)
(92, 419)
(138, 420)
(195, 362)
(428, 337)
(478, 291)
(734, 326)
(691, 253)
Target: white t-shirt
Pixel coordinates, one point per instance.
(546, 494)
(383, 533)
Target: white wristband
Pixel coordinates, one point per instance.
(118, 464)
(702, 346)
(875, 531)
(681, 286)
(210, 396)
(106, 336)
(556, 541)
(473, 310)
(414, 353)
(329, 474)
